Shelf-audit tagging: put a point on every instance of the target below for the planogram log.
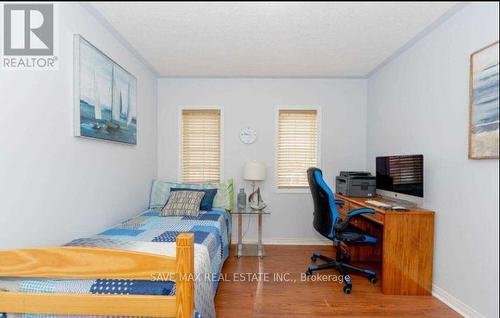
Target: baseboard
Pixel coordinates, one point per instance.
(454, 303)
(288, 241)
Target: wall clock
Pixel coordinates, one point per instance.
(248, 135)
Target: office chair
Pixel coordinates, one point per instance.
(327, 222)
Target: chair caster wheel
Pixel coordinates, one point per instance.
(347, 290)
(309, 273)
(373, 280)
(313, 259)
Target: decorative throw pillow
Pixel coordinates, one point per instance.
(183, 203)
(225, 195)
(160, 192)
(208, 198)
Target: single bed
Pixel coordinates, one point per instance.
(138, 259)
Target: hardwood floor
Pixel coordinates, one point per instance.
(247, 297)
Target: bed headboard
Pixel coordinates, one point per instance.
(160, 192)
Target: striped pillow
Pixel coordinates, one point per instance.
(183, 203)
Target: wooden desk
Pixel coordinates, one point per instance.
(405, 246)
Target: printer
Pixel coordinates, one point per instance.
(355, 184)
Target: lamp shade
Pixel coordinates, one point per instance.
(254, 171)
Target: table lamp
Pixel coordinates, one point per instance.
(255, 171)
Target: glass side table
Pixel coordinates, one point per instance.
(249, 249)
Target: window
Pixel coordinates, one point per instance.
(297, 146)
(201, 145)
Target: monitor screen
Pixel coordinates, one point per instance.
(401, 174)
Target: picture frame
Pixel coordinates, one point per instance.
(483, 103)
(105, 96)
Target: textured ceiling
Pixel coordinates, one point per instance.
(295, 39)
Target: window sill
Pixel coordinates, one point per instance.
(293, 190)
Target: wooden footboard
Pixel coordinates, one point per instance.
(98, 263)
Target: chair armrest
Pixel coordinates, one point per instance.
(360, 211)
(339, 202)
(343, 225)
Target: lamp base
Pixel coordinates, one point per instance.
(255, 199)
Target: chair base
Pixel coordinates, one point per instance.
(343, 267)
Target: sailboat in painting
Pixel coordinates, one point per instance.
(113, 123)
(126, 112)
(129, 109)
(96, 101)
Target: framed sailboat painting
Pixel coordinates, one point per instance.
(483, 104)
(105, 96)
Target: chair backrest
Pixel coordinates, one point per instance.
(325, 210)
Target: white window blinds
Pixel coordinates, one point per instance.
(297, 147)
(201, 145)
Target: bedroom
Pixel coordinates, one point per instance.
(363, 80)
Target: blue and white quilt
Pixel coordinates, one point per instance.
(151, 233)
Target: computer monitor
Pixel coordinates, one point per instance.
(401, 177)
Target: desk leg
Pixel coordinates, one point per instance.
(239, 248)
(407, 254)
(260, 248)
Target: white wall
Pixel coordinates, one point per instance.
(253, 102)
(418, 103)
(55, 187)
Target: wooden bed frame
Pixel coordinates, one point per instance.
(98, 263)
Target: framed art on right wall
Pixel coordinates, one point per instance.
(483, 103)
